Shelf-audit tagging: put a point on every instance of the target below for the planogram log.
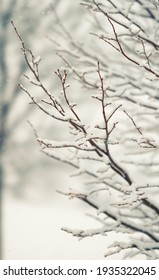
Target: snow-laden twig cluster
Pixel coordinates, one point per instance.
(112, 147)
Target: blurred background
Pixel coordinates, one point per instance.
(32, 213)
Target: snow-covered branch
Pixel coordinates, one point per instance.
(115, 147)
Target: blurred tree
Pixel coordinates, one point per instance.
(6, 15)
(28, 15)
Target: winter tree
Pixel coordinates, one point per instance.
(113, 134)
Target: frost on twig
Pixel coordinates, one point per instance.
(146, 249)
